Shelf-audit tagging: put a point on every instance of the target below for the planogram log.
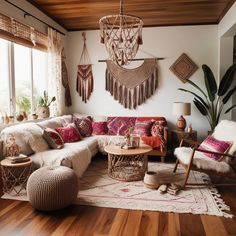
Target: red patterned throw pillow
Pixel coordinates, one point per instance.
(84, 125)
(143, 127)
(119, 125)
(214, 145)
(69, 133)
(99, 127)
(53, 138)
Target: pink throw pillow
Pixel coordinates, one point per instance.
(143, 127)
(69, 133)
(119, 125)
(84, 125)
(99, 127)
(53, 138)
(214, 145)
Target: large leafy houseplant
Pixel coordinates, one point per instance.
(211, 103)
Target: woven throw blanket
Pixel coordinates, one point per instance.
(132, 87)
(84, 84)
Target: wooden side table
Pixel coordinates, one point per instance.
(127, 165)
(177, 136)
(15, 176)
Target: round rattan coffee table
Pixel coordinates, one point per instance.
(15, 176)
(127, 164)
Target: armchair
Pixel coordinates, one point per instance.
(192, 158)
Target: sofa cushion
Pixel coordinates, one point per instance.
(157, 128)
(215, 145)
(74, 155)
(143, 127)
(119, 125)
(28, 137)
(55, 122)
(53, 138)
(69, 133)
(99, 128)
(84, 125)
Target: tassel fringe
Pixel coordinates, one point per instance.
(131, 97)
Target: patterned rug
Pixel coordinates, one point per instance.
(97, 189)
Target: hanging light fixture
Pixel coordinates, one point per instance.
(122, 35)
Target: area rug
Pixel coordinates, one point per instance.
(97, 189)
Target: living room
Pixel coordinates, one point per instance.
(204, 35)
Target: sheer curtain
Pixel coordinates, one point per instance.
(54, 71)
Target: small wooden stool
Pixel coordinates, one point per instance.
(15, 176)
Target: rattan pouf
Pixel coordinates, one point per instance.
(52, 188)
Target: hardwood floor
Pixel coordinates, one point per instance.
(19, 218)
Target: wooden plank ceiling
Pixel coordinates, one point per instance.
(85, 14)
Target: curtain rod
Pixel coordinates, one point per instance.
(138, 59)
(28, 14)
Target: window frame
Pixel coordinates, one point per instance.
(12, 82)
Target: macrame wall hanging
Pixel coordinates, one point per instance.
(84, 82)
(65, 79)
(132, 87)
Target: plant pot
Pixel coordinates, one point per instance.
(19, 117)
(43, 112)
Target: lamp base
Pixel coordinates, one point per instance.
(181, 124)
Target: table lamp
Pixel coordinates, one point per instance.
(181, 109)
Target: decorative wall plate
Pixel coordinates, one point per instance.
(183, 67)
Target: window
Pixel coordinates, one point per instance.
(23, 78)
(22, 64)
(40, 74)
(4, 78)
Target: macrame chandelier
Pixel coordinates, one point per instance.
(122, 35)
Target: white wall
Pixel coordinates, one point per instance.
(226, 32)
(199, 42)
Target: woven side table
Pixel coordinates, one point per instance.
(127, 165)
(15, 176)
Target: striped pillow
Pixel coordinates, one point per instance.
(212, 144)
(143, 127)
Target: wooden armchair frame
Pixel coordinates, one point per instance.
(191, 166)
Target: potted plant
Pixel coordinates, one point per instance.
(24, 106)
(211, 104)
(43, 105)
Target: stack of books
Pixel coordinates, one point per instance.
(18, 159)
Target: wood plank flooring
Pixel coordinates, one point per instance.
(19, 218)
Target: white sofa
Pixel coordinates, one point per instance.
(29, 137)
(75, 155)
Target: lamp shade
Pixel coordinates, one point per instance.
(181, 108)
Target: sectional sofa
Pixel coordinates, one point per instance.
(76, 155)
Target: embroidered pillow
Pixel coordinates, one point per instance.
(119, 125)
(53, 138)
(84, 125)
(143, 127)
(158, 128)
(212, 144)
(99, 128)
(69, 133)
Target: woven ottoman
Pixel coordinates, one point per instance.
(52, 188)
